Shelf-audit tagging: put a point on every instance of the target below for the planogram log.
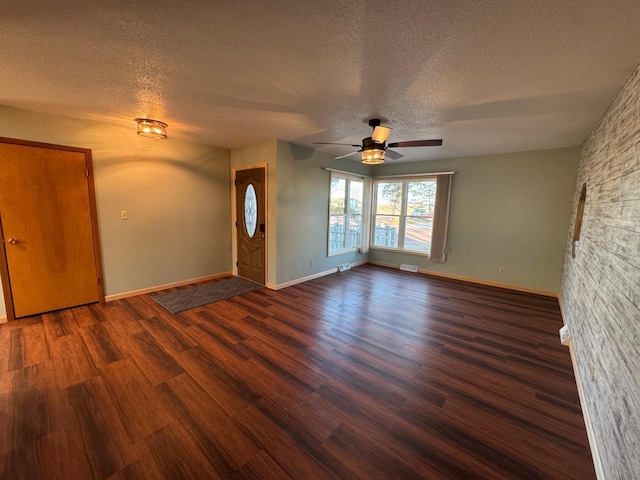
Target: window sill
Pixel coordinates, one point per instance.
(397, 250)
(343, 251)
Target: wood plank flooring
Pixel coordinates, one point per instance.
(368, 374)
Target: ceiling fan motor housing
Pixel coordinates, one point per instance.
(369, 144)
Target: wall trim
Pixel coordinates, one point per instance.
(310, 277)
(142, 291)
(591, 436)
(472, 280)
(3, 319)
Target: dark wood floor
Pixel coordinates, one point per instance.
(372, 373)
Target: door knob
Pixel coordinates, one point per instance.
(13, 241)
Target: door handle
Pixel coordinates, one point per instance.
(13, 241)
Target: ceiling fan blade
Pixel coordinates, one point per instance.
(417, 143)
(393, 155)
(348, 154)
(380, 134)
(333, 143)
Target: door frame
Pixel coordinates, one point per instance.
(234, 218)
(4, 266)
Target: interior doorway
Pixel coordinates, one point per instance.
(50, 253)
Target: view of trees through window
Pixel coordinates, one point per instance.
(404, 214)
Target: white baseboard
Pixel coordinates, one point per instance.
(472, 280)
(142, 291)
(3, 319)
(595, 454)
(309, 277)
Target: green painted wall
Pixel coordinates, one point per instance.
(177, 194)
(509, 210)
(303, 211)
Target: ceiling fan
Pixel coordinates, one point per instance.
(374, 149)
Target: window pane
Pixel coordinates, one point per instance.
(338, 195)
(355, 211)
(355, 200)
(389, 198)
(417, 234)
(421, 198)
(337, 211)
(336, 232)
(355, 231)
(345, 213)
(385, 232)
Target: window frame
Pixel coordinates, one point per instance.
(403, 215)
(347, 215)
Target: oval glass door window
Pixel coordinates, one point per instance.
(250, 210)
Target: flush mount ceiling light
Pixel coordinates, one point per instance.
(151, 128)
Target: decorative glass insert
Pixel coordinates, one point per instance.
(250, 210)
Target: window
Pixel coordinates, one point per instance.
(403, 215)
(410, 214)
(345, 213)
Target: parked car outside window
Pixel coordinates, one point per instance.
(422, 211)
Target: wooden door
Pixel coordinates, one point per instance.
(251, 225)
(48, 226)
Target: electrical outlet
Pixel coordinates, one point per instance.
(311, 262)
(502, 270)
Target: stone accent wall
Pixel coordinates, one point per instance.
(601, 285)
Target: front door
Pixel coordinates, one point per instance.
(251, 225)
(49, 237)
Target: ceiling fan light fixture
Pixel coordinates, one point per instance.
(374, 147)
(373, 156)
(380, 134)
(151, 128)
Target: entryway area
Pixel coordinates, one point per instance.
(251, 224)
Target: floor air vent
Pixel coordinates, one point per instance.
(409, 268)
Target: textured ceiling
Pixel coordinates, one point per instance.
(487, 76)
